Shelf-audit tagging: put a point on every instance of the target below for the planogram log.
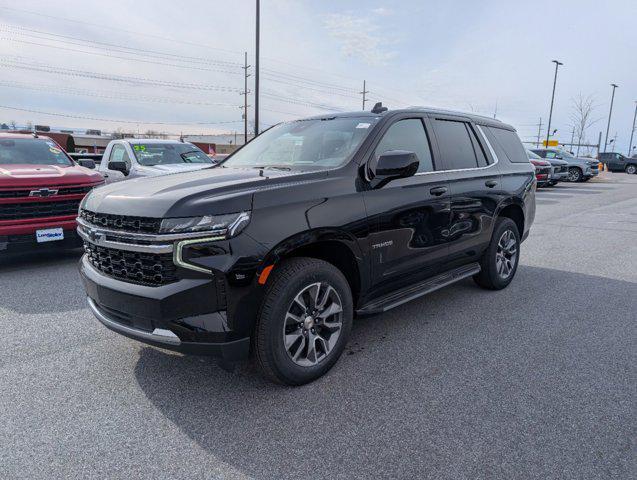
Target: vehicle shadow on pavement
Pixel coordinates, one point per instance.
(532, 380)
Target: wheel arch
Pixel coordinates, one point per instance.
(331, 245)
(514, 210)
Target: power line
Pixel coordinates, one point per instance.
(139, 122)
(57, 47)
(55, 89)
(364, 92)
(114, 78)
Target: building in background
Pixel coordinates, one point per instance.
(224, 143)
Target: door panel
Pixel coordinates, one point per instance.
(408, 230)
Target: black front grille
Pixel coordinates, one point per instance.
(61, 191)
(151, 269)
(19, 211)
(122, 222)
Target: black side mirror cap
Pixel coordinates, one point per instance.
(118, 166)
(393, 165)
(86, 163)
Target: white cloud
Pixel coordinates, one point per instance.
(382, 11)
(360, 37)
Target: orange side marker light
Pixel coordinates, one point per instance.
(264, 274)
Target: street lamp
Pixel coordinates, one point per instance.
(256, 70)
(548, 130)
(632, 132)
(612, 98)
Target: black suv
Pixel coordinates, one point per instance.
(275, 250)
(616, 162)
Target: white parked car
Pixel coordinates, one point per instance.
(134, 158)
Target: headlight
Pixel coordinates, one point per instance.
(227, 225)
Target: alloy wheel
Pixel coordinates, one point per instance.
(506, 254)
(631, 169)
(313, 324)
(574, 175)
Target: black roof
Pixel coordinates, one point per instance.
(478, 119)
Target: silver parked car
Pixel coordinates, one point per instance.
(134, 158)
(579, 169)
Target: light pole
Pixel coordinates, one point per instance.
(256, 71)
(632, 132)
(612, 98)
(548, 129)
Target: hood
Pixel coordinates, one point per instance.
(204, 192)
(28, 175)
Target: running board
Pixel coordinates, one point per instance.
(412, 292)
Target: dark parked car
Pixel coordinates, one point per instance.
(616, 162)
(315, 221)
(543, 169)
(579, 169)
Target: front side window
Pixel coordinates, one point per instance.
(119, 154)
(311, 144)
(152, 154)
(408, 135)
(32, 151)
(456, 145)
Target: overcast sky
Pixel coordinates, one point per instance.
(179, 63)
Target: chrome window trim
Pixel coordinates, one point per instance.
(496, 160)
(178, 253)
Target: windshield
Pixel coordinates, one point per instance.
(533, 155)
(151, 154)
(32, 151)
(304, 144)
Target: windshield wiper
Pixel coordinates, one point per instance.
(273, 167)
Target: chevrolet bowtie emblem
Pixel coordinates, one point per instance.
(43, 192)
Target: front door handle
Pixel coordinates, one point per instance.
(490, 183)
(437, 191)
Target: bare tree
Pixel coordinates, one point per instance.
(29, 125)
(12, 124)
(582, 117)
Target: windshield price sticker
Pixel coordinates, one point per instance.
(363, 125)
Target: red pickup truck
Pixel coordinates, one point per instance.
(40, 193)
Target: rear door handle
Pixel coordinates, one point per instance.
(437, 191)
(490, 183)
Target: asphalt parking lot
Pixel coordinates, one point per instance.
(535, 381)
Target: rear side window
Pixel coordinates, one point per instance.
(511, 144)
(458, 145)
(408, 135)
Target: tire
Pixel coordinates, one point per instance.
(490, 276)
(631, 169)
(574, 174)
(586, 179)
(282, 321)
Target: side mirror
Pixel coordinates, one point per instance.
(86, 163)
(393, 165)
(118, 166)
(559, 157)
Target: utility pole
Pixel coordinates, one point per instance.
(256, 71)
(612, 98)
(539, 132)
(632, 132)
(572, 137)
(548, 130)
(245, 97)
(495, 113)
(364, 92)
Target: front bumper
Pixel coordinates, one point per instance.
(26, 242)
(184, 316)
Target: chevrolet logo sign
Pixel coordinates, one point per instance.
(43, 192)
(95, 235)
